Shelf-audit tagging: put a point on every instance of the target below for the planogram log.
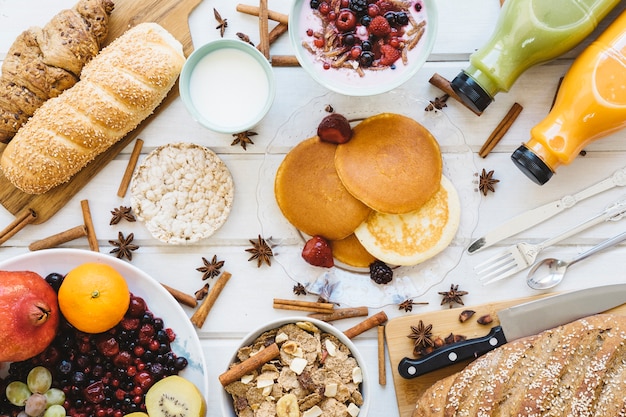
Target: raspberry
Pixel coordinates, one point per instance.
(384, 6)
(379, 27)
(388, 55)
(380, 272)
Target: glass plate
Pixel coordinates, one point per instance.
(159, 301)
(350, 287)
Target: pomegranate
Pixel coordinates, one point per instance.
(29, 315)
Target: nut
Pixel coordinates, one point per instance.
(290, 347)
(308, 326)
(466, 315)
(486, 319)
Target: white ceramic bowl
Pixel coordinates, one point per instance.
(347, 81)
(227, 86)
(227, 401)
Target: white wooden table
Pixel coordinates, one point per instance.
(246, 301)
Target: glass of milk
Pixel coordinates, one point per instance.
(227, 86)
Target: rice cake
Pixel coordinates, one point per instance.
(183, 192)
(412, 238)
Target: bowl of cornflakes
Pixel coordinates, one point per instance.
(314, 369)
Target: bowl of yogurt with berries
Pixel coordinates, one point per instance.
(362, 47)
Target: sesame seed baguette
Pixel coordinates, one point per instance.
(577, 369)
(118, 89)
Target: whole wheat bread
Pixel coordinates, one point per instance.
(578, 369)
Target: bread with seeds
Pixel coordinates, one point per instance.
(578, 369)
(119, 88)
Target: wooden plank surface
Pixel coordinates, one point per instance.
(173, 16)
(444, 322)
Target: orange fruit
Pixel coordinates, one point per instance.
(94, 297)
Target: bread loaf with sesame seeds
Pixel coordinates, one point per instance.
(578, 369)
(119, 88)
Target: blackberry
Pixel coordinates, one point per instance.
(380, 272)
(358, 6)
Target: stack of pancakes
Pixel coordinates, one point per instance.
(381, 195)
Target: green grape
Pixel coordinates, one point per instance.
(54, 396)
(39, 379)
(17, 393)
(35, 405)
(55, 410)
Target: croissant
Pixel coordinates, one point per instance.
(118, 89)
(578, 369)
(43, 62)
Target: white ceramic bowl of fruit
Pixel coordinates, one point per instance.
(88, 367)
(362, 47)
(310, 356)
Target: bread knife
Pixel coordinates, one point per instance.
(520, 321)
(537, 215)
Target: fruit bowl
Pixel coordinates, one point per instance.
(334, 359)
(158, 300)
(352, 51)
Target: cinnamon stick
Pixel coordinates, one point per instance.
(299, 303)
(254, 11)
(500, 130)
(444, 85)
(369, 323)
(128, 173)
(382, 370)
(285, 61)
(253, 362)
(181, 297)
(341, 313)
(22, 220)
(59, 238)
(200, 315)
(91, 232)
(264, 45)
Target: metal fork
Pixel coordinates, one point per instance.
(520, 256)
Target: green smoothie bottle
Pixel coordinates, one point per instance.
(528, 32)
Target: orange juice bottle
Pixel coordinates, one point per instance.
(590, 104)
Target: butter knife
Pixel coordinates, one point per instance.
(539, 214)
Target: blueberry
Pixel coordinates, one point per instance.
(366, 20)
(366, 59)
(366, 46)
(314, 4)
(55, 280)
(391, 18)
(402, 18)
(349, 39)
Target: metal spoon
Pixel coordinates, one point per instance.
(549, 272)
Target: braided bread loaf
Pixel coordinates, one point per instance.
(578, 369)
(43, 62)
(118, 89)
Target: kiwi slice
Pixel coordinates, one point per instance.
(136, 414)
(175, 396)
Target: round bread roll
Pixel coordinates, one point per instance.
(392, 163)
(351, 252)
(412, 238)
(310, 194)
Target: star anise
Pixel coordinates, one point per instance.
(486, 182)
(243, 138)
(438, 103)
(299, 289)
(123, 246)
(260, 251)
(407, 305)
(121, 213)
(245, 38)
(222, 23)
(453, 296)
(422, 335)
(202, 292)
(210, 269)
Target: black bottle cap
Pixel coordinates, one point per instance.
(470, 92)
(531, 165)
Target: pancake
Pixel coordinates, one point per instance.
(412, 238)
(351, 252)
(311, 195)
(392, 163)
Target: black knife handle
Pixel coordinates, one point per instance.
(448, 355)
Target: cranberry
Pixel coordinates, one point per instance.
(107, 345)
(94, 393)
(373, 10)
(324, 8)
(122, 359)
(137, 307)
(309, 32)
(319, 43)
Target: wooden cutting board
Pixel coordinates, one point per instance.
(444, 322)
(172, 15)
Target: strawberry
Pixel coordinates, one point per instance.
(388, 55)
(334, 128)
(379, 26)
(317, 252)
